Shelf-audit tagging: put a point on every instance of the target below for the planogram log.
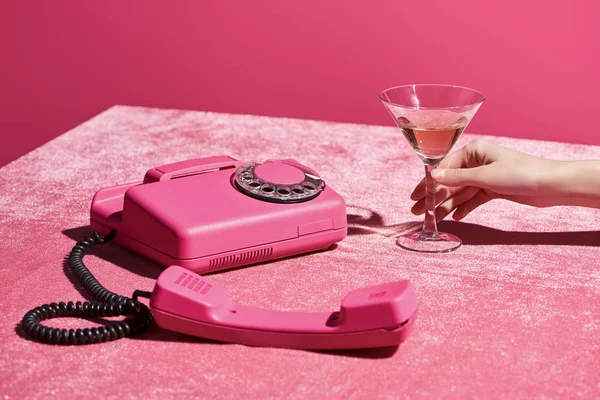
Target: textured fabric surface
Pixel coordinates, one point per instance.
(513, 313)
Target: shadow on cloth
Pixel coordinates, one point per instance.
(471, 234)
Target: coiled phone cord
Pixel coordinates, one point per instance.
(108, 304)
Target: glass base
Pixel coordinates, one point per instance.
(424, 243)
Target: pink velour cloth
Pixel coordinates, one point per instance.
(513, 313)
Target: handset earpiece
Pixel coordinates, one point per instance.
(378, 316)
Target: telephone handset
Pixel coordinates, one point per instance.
(377, 316)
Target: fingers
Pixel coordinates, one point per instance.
(461, 176)
(452, 178)
(441, 194)
(464, 209)
(455, 201)
(419, 191)
(470, 156)
(461, 201)
(456, 159)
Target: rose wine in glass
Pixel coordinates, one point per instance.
(431, 118)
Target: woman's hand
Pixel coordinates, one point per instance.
(482, 171)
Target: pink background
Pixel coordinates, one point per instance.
(64, 62)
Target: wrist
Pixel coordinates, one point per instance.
(574, 182)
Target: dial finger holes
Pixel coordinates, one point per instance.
(284, 191)
(278, 182)
(267, 188)
(247, 176)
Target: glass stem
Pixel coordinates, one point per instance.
(429, 226)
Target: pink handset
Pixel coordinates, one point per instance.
(377, 316)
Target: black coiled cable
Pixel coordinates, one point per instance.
(108, 304)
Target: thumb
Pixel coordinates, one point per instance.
(460, 176)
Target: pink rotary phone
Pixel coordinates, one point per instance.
(215, 213)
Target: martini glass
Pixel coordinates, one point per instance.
(431, 117)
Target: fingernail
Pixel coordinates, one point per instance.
(438, 173)
(416, 210)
